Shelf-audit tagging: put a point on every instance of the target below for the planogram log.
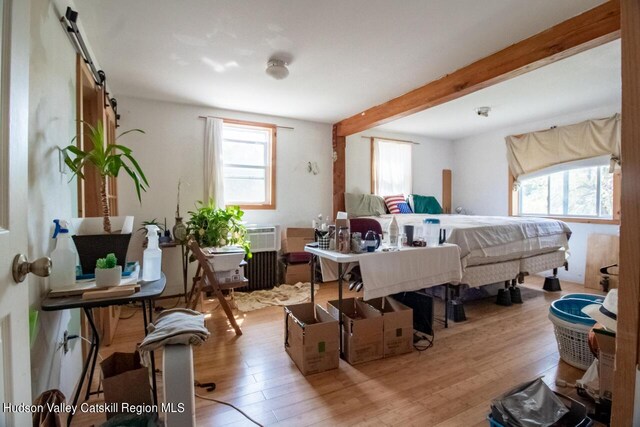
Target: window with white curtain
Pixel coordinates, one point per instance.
(391, 171)
(578, 189)
(248, 153)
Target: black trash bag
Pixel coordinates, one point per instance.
(532, 404)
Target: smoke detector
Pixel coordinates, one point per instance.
(277, 69)
(483, 111)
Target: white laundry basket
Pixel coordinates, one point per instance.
(572, 328)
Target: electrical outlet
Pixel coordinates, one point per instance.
(65, 342)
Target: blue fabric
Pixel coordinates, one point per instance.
(404, 208)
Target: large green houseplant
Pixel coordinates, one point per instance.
(108, 160)
(217, 227)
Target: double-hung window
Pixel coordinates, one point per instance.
(576, 191)
(391, 171)
(249, 164)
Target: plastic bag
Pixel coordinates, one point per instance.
(531, 404)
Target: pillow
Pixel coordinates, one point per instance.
(425, 205)
(364, 205)
(404, 208)
(392, 203)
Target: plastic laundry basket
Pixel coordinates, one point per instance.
(571, 329)
(594, 298)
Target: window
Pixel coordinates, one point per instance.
(391, 171)
(582, 192)
(249, 157)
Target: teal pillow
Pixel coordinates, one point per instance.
(426, 205)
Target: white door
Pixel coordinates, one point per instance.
(15, 377)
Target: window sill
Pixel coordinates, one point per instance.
(255, 207)
(574, 219)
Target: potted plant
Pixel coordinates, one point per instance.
(108, 160)
(219, 228)
(108, 272)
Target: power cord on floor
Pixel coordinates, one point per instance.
(419, 337)
(232, 406)
(211, 387)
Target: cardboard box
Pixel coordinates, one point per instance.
(125, 380)
(295, 273)
(311, 338)
(362, 335)
(230, 276)
(606, 360)
(294, 239)
(397, 325)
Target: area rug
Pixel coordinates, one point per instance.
(280, 295)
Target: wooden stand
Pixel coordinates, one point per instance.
(205, 280)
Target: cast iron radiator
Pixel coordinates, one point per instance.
(261, 271)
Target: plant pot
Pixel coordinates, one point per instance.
(92, 243)
(108, 277)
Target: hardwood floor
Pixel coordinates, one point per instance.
(450, 384)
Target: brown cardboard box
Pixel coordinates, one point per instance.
(125, 381)
(397, 325)
(311, 338)
(295, 273)
(294, 239)
(606, 360)
(362, 330)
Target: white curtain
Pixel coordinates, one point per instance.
(213, 162)
(536, 151)
(392, 173)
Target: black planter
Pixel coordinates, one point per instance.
(91, 247)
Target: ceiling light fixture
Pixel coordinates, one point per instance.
(277, 69)
(483, 111)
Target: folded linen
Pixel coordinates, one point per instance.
(175, 326)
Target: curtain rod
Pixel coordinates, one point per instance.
(390, 139)
(224, 118)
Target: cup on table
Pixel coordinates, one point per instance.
(323, 242)
(408, 231)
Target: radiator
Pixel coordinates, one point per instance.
(261, 271)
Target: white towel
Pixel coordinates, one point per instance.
(411, 269)
(175, 326)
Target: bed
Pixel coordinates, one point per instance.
(495, 249)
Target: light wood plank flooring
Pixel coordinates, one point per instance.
(450, 384)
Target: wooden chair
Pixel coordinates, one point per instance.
(205, 280)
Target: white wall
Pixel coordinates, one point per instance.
(172, 149)
(480, 180)
(52, 113)
(430, 156)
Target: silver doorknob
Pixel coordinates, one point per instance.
(21, 267)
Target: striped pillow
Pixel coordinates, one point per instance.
(392, 203)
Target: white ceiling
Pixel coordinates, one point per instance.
(587, 80)
(346, 55)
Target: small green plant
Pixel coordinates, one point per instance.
(215, 227)
(153, 221)
(110, 261)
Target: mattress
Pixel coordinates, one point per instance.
(492, 239)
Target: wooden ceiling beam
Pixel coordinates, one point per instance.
(582, 32)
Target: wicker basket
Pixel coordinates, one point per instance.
(571, 329)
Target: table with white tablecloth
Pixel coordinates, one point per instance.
(390, 272)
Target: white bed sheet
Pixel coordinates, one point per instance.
(491, 239)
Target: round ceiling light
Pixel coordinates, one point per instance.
(277, 69)
(483, 111)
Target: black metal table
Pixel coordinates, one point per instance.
(148, 292)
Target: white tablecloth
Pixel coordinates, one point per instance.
(411, 269)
